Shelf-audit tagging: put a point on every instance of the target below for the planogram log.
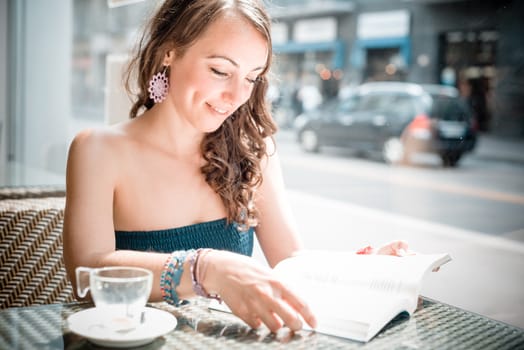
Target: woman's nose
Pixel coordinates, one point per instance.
(236, 92)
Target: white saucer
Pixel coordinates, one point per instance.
(89, 324)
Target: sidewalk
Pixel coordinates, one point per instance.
(490, 147)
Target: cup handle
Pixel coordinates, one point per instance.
(82, 283)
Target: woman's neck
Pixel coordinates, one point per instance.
(171, 133)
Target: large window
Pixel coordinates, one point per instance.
(60, 72)
(100, 32)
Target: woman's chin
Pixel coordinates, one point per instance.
(213, 125)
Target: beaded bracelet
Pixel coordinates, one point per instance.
(198, 288)
(171, 275)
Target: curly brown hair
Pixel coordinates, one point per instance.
(233, 153)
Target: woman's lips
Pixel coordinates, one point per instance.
(218, 109)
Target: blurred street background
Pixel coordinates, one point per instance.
(60, 72)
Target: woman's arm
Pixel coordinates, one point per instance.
(277, 232)
(88, 222)
(91, 179)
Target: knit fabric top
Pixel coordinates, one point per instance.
(216, 234)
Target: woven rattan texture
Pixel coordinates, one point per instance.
(31, 265)
(433, 326)
(31, 192)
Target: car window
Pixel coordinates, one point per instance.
(403, 107)
(449, 108)
(375, 102)
(349, 104)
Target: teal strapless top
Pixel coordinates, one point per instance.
(216, 234)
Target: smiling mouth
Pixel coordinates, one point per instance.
(218, 110)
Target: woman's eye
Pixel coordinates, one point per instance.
(219, 73)
(227, 75)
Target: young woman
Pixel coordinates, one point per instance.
(182, 187)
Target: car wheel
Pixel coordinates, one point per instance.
(450, 159)
(309, 141)
(393, 150)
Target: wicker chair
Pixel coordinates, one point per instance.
(21, 192)
(31, 265)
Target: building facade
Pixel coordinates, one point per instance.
(475, 46)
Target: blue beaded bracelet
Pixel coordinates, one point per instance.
(171, 275)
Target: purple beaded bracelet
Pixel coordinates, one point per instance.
(198, 288)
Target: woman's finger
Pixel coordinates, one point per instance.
(246, 315)
(402, 249)
(299, 306)
(253, 322)
(287, 314)
(366, 250)
(397, 248)
(266, 312)
(275, 310)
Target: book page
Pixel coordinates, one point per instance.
(355, 296)
(350, 292)
(352, 272)
(358, 316)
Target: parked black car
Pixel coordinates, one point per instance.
(399, 120)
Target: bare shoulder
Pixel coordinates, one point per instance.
(97, 150)
(97, 140)
(101, 142)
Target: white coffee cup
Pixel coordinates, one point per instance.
(120, 293)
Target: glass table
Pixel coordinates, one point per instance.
(433, 326)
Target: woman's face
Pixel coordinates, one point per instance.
(216, 75)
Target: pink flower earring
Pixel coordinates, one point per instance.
(158, 86)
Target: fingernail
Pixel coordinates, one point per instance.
(298, 325)
(365, 250)
(313, 323)
(401, 252)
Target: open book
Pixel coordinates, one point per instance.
(354, 296)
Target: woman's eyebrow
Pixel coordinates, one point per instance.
(232, 61)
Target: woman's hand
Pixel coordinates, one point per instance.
(396, 248)
(253, 292)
